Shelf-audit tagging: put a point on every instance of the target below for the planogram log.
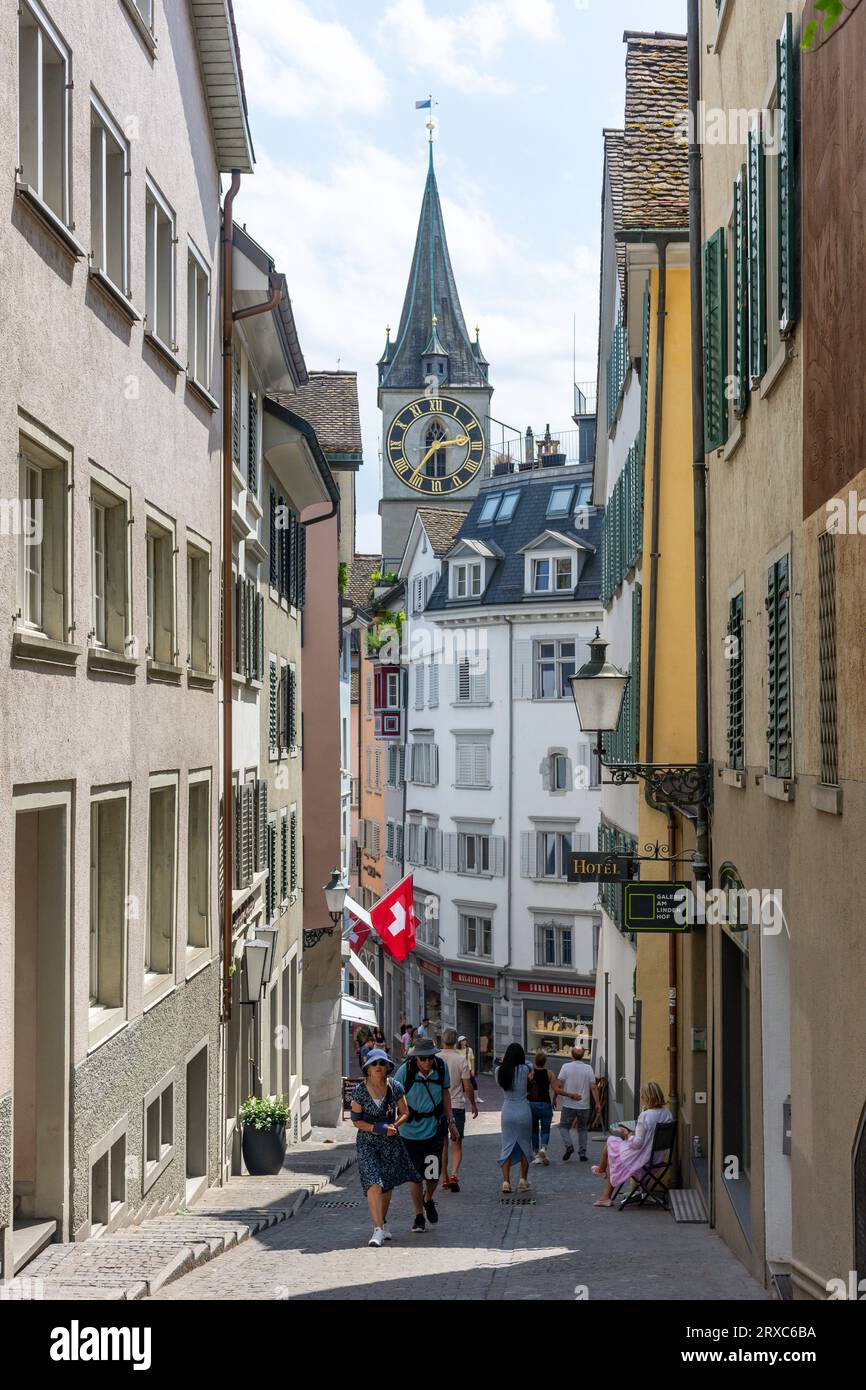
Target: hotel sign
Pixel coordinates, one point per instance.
(543, 987)
(591, 866)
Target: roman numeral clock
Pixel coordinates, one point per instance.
(435, 445)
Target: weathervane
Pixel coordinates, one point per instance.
(428, 106)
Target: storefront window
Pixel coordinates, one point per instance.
(556, 1032)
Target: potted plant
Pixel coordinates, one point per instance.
(264, 1135)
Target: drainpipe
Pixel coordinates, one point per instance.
(229, 320)
(509, 850)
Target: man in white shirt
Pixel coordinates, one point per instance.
(577, 1079)
(461, 1088)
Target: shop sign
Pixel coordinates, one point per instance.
(591, 866)
(477, 981)
(429, 967)
(655, 907)
(542, 987)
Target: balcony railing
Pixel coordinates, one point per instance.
(546, 449)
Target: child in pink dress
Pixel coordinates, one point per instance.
(622, 1158)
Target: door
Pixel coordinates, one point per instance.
(467, 1024)
(485, 1039)
(196, 1122)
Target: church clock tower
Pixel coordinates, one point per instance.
(433, 392)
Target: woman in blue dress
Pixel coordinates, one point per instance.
(516, 1116)
(378, 1111)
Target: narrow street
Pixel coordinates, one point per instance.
(484, 1247)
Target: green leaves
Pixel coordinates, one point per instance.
(264, 1113)
(831, 10)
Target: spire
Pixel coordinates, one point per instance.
(386, 352)
(479, 355)
(431, 309)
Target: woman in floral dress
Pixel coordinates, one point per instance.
(378, 1111)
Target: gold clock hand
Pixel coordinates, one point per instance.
(433, 447)
(458, 439)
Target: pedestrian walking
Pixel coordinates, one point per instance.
(463, 1046)
(516, 1116)
(577, 1083)
(541, 1088)
(378, 1111)
(626, 1154)
(408, 1038)
(424, 1030)
(426, 1082)
(461, 1090)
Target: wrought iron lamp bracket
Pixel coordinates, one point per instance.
(681, 785)
(313, 935)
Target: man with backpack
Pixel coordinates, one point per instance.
(426, 1082)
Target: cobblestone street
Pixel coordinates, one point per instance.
(482, 1249)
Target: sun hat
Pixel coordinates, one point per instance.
(463, 1038)
(425, 1047)
(377, 1055)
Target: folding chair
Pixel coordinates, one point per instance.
(649, 1182)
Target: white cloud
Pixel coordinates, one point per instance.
(459, 50)
(344, 236)
(296, 65)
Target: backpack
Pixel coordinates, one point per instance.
(413, 1075)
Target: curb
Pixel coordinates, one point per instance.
(207, 1248)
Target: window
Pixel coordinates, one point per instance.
(159, 267)
(476, 935)
(827, 701)
(394, 776)
(158, 1129)
(472, 761)
(554, 663)
(161, 875)
(392, 690)
(44, 82)
(109, 569)
(422, 765)
(779, 727)
(473, 853)
(198, 614)
(108, 889)
(541, 576)
(559, 502)
(562, 575)
(490, 506)
(160, 594)
(198, 865)
(198, 322)
(715, 341)
(145, 9)
(43, 587)
(559, 772)
(553, 850)
(507, 506)
(554, 943)
(552, 574)
(108, 1180)
(435, 466)
(736, 683)
(109, 215)
(467, 580)
(249, 629)
(584, 495)
(471, 682)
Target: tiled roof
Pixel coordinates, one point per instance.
(359, 585)
(614, 144)
(441, 526)
(655, 189)
(528, 521)
(330, 403)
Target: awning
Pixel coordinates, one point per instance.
(354, 1011)
(366, 975)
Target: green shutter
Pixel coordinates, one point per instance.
(261, 825)
(284, 858)
(736, 684)
(715, 341)
(271, 898)
(757, 257)
(272, 707)
(786, 136)
(644, 372)
(236, 411)
(253, 443)
(294, 855)
(778, 670)
(633, 751)
(741, 303)
(302, 565)
(273, 566)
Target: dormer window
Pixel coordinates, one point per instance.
(584, 495)
(559, 502)
(467, 580)
(499, 506)
(553, 574)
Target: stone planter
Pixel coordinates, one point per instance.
(264, 1150)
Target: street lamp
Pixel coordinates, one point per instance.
(598, 690)
(335, 891)
(253, 974)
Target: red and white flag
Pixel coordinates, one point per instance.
(394, 921)
(359, 924)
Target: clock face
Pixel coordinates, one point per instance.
(435, 445)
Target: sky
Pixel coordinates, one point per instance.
(523, 90)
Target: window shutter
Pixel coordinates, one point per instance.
(433, 690)
(260, 652)
(293, 560)
(479, 684)
(239, 838)
(634, 684)
(398, 843)
(464, 765)
(787, 87)
(249, 831)
(293, 884)
(644, 372)
(271, 890)
(522, 669)
(497, 855)
(409, 768)
(778, 683)
(253, 443)
(434, 764)
(419, 686)
(302, 565)
(284, 859)
(236, 411)
(273, 554)
(261, 804)
(283, 535)
(240, 625)
(757, 257)
(482, 764)
(292, 713)
(463, 686)
(389, 839)
(547, 774)
(449, 851)
(715, 341)
(527, 853)
(736, 672)
(741, 300)
(221, 852)
(273, 713)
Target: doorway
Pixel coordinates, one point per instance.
(41, 1030)
(196, 1123)
(467, 1024)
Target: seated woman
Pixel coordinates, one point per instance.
(625, 1155)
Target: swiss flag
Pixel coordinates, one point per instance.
(360, 925)
(394, 921)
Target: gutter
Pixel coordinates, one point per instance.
(304, 427)
(509, 622)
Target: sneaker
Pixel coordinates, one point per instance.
(545, 1160)
(453, 1184)
(569, 1151)
(537, 1159)
(378, 1236)
(419, 1225)
(523, 1185)
(446, 1183)
(432, 1213)
(583, 1158)
(386, 1234)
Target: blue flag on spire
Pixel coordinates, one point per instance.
(420, 104)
